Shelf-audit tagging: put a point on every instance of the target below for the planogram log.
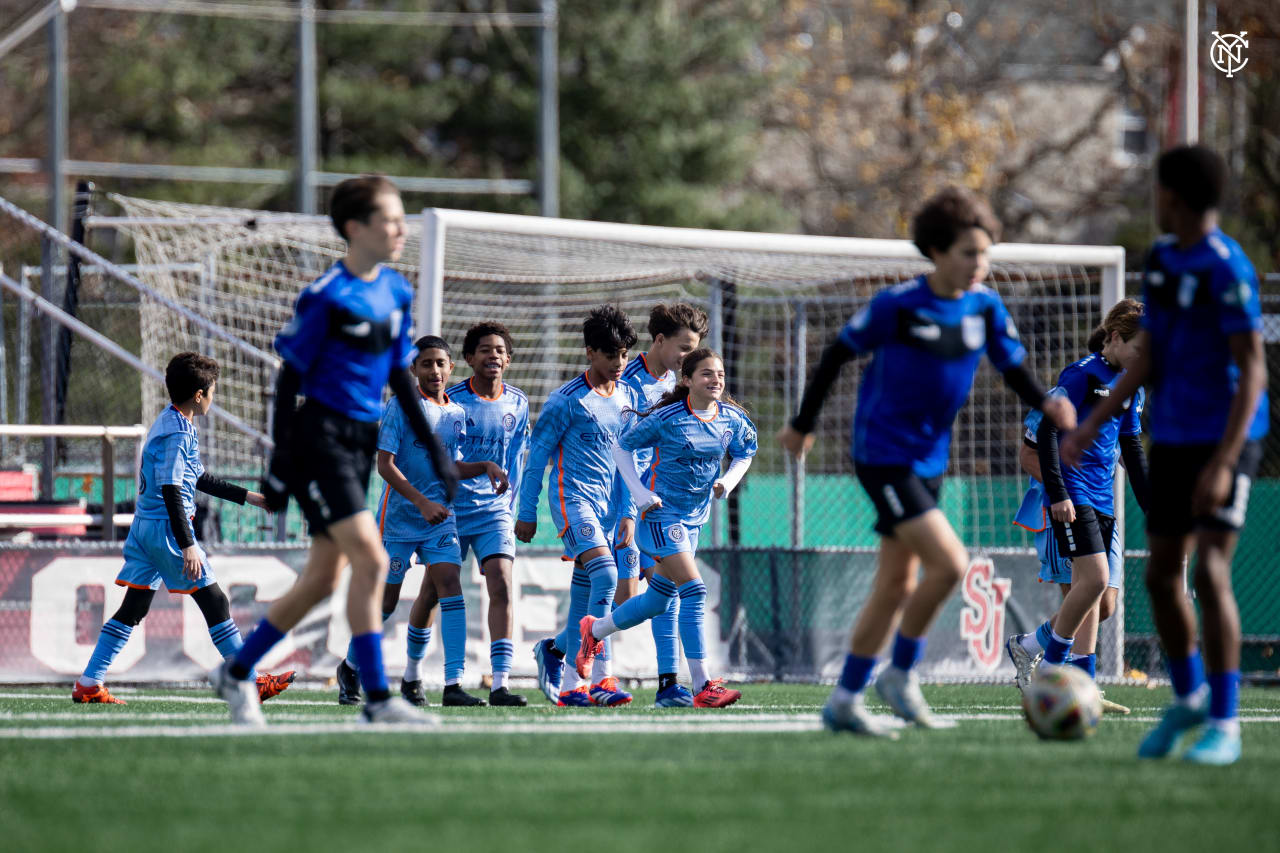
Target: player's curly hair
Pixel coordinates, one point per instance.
(937, 225)
(1124, 317)
(669, 318)
(427, 342)
(681, 392)
(483, 330)
(1195, 174)
(608, 330)
(356, 198)
(187, 373)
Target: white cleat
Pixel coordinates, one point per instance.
(396, 710)
(901, 692)
(1109, 707)
(855, 719)
(1024, 664)
(241, 697)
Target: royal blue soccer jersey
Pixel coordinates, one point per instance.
(1087, 383)
(575, 432)
(346, 337)
(497, 431)
(170, 457)
(398, 519)
(687, 449)
(1196, 298)
(648, 388)
(925, 352)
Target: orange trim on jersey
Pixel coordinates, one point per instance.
(564, 513)
(645, 361)
(586, 375)
(382, 511)
(689, 408)
(423, 395)
(501, 388)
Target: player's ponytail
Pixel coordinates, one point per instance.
(1124, 317)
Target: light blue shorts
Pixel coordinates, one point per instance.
(1055, 568)
(659, 537)
(488, 536)
(580, 530)
(152, 557)
(440, 546)
(630, 559)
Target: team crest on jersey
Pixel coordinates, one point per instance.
(585, 531)
(458, 428)
(973, 330)
(676, 533)
(725, 438)
(632, 559)
(397, 565)
(982, 619)
(508, 422)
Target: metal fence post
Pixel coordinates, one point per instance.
(799, 368)
(108, 488)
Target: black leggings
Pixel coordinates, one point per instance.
(211, 600)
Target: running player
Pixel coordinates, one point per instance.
(1080, 546)
(351, 334)
(689, 430)
(161, 546)
(926, 337)
(1201, 349)
(676, 329)
(576, 430)
(497, 432)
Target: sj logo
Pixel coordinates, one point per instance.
(982, 620)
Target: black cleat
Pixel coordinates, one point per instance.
(502, 697)
(412, 693)
(348, 684)
(455, 697)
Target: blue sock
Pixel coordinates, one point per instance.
(111, 639)
(857, 672)
(226, 639)
(647, 605)
(1058, 648)
(664, 638)
(1224, 694)
(263, 638)
(419, 638)
(500, 653)
(1187, 674)
(579, 596)
(1044, 634)
(373, 678)
(693, 597)
(907, 651)
(351, 648)
(453, 633)
(1089, 663)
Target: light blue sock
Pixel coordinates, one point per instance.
(579, 596)
(226, 639)
(1044, 634)
(351, 649)
(453, 632)
(693, 597)
(419, 639)
(500, 653)
(664, 638)
(602, 578)
(603, 572)
(111, 639)
(638, 608)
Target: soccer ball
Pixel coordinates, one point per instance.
(1062, 703)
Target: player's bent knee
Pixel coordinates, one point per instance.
(213, 604)
(134, 608)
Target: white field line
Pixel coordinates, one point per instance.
(189, 700)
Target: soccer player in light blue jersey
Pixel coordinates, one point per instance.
(676, 329)
(690, 430)
(1072, 510)
(575, 434)
(161, 546)
(497, 432)
(351, 335)
(926, 337)
(1202, 353)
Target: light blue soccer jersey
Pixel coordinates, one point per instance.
(497, 430)
(398, 519)
(170, 457)
(687, 451)
(575, 433)
(648, 388)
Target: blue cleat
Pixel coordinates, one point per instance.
(607, 694)
(575, 699)
(675, 696)
(1216, 747)
(550, 669)
(1177, 718)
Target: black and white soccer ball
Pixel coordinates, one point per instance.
(1062, 703)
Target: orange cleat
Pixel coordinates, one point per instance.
(590, 646)
(273, 685)
(92, 695)
(715, 695)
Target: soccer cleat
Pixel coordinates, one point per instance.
(273, 685)
(348, 684)
(504, 698)
(715, 695)
(589, 648)
(606, 694)
(94, 695)
(674, 696)
(393, 709)
(900, 690)
(577, 698)
(1024, 665)
(1109, 707)
(411, 692)
(455, 697)
(550, 669)
(1177, 718)
(241, 696)
(854, 719)
(1216, 747)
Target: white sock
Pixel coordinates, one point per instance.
(1196, 698)
(842, 697)
(449, 682)
(698, 673)
(1066, 641)
(569, 682)
(89, 682)
(603, 627)
(1031, 644)
(413, 670)
(1228, 727)
(499, 680)
(600, 669)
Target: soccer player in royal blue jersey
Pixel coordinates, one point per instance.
(1201, 352)
(161, 546)
(676, 329)
(498, 432)
(926, 337)
(689, 430)
(575, 434)
(351, 335)
(1072, 510)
